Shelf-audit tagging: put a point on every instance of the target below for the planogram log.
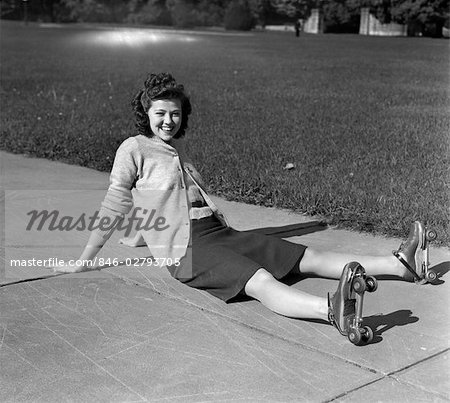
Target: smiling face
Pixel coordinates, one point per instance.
(165, 118)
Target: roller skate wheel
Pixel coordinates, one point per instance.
(371, 283)
(431, 235)
(431, 276)
(421, 281)
(359, 285)
(368, 334)
(354, 335)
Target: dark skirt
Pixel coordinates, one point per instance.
(223, 259)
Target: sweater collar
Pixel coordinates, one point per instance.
(157, 140)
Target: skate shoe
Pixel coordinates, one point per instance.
(341, 307)
(413, 253)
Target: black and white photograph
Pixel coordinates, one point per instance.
(224, 200)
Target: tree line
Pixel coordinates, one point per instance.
(422, 16)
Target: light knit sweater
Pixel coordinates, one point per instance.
(149, 173)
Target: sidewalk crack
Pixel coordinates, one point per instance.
(391, 375)
(233, 320)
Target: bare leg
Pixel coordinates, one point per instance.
(285, 300)
(289, 301)
(330, 264)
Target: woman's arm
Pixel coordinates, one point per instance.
(116, 204)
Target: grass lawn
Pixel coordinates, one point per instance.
(365, 120)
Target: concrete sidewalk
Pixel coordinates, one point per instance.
(135, 334)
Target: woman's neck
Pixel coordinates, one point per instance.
(157, 139)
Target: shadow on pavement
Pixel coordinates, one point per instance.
(382, 323)
(287, 231)
(441, 270)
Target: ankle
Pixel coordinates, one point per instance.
(399, 269)
(324, 310)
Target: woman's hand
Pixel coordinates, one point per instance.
(69, 268)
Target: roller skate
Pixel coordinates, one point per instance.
(414, 253)
(345, 306)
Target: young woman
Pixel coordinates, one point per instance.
(224, 262)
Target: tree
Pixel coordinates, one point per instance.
(183, 13)
(260, 10)
(296, 8)
(149, 12)
(238, 16)
(42, 10)
(10, 9)
(429, 16)
(118, 9)
(89, 10)
(211, 12)
(381, 9)
(83, 10)
(341, 16)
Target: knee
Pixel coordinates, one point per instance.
(257, 282)
(310, 260)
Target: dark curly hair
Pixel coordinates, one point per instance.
(159, 86)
